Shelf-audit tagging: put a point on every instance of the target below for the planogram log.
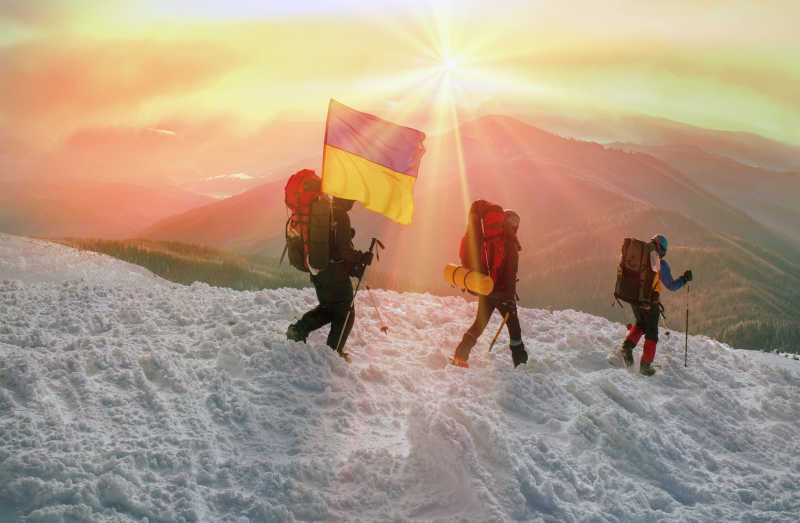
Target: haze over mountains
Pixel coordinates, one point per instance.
(768, 196)
(731, 223)
(80, 207)
(747, 148)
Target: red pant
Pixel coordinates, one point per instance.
(649, 350)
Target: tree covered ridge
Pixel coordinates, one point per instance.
(186, 263)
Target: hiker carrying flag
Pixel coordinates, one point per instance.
(491, 246)
(647, 313)
(364, 159)
(332, 284)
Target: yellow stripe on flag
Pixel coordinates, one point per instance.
(378, 188)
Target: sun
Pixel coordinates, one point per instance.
(449, 64)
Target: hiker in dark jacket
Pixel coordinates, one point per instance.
(647, 315)
(503, 298)
(333, 286)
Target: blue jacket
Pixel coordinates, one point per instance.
(665, 275)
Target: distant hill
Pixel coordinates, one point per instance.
(746, 148)
(245, 223)
(87, 208)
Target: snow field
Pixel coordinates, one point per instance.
(126, 398)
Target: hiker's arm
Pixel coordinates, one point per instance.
(665, 274)
(344, 239)
(354, 261)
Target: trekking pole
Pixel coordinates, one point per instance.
(384, 328)
(505, 319)
(686, 338)
(350, 308)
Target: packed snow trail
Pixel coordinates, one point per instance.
(124, 397)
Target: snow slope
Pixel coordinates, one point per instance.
(127, 398)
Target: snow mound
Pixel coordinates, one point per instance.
(125, 398)
(34, 261)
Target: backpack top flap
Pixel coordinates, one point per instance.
(635, 255)
(302, 188)
(492, 221)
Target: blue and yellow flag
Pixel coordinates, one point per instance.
(372, 161)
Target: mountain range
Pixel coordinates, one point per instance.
(578, 200)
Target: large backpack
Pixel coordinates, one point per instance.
(635, 276)
(482, 247)
(308, 228)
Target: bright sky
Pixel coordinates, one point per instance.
(69, 66)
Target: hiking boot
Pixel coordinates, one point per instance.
(646, 368)
(518, 354)
(458, 362)
(627, 353)
(294, 334)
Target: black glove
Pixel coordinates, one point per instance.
(366, 258)
(687, 276)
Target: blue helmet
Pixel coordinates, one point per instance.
(661, 244)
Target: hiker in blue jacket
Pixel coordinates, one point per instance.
(647, 315)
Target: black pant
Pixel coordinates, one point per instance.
(324, 313)
(487, 305)
(647, 320)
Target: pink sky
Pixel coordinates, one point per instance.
(92, 86)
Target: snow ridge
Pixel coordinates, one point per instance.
(125, 397)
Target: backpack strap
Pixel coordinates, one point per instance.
(286, 240)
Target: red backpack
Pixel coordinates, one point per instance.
(482, 247)
(303, 197)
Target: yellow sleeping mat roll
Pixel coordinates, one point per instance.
(468, 279)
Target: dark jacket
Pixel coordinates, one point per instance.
(333, 284)
(505, 288)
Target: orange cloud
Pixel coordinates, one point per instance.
(754, 70)
(64, 83)
(40, 12)
(189, 151)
